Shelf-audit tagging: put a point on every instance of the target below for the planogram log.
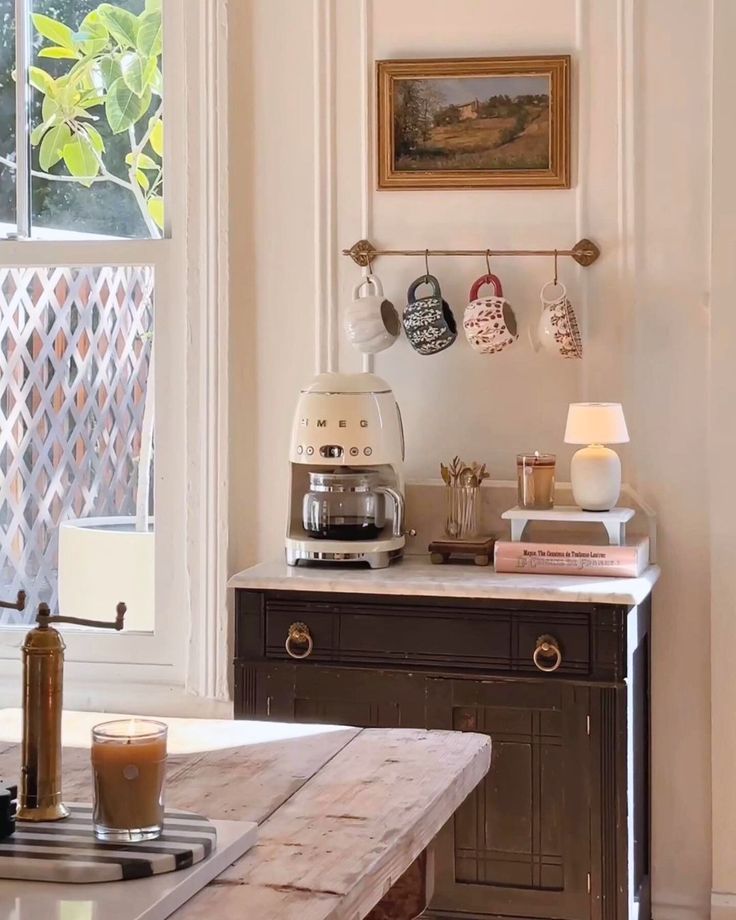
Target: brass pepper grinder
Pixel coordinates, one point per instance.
(43, 691)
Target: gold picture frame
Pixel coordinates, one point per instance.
(506, 134)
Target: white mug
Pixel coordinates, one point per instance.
(558, 331)
(371, 322)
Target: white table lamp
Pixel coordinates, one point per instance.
(595, 471)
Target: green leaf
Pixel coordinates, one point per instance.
(142, 180)
(42, 81)
(153, 5)
(110, 69)
(95, 138)
(55, 31)
(122, 25)
(150, 71)
(157, 81)
(157, 137)
(123, 107)
(52, 146)
(69, 98)
(81, 160)
(37, 133)
(92, 35)
(141, 161)
(134, 72)
(156, 210)
(90, 101)
(57, 52)
(150, 34)
(49, 108)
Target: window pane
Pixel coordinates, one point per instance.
(7, 118)
(75, 353)
(96, 115)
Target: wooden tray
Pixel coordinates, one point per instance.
(479, 551)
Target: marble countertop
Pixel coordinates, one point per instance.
(415, 575)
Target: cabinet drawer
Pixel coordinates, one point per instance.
(470, 638)
(392, 635)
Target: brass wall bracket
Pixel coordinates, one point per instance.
(585, 252)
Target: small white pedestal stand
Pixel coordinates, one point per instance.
(614, 520)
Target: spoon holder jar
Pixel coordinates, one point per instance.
(462, 512)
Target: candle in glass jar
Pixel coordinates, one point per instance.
(536, 480)
(129, 767)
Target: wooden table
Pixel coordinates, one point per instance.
(343, 813)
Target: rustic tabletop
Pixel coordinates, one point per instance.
(343, 812)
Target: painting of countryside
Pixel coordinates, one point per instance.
(472, 123)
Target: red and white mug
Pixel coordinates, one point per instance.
(489, 322)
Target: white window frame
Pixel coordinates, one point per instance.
(183, 666)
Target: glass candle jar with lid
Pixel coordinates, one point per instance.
(535, 475)
(129, 767)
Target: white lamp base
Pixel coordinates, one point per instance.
(595, 474)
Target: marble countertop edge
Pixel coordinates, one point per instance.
(416, 576)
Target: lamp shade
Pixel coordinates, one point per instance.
(596, 423)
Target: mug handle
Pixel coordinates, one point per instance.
(559, 297)
(425, 279)
(372, 281)
(486, 279)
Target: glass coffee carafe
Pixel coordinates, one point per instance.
(349, 505)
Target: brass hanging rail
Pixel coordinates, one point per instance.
(585, 252)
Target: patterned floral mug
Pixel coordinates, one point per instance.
(428, 321)
(489, 322)
(558, 331)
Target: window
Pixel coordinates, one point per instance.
(76, 420)
(95, 288)
(87, 155)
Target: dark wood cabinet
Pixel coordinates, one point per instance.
(561, 824)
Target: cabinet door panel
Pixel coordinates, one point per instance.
(519, 846)
(341, 696)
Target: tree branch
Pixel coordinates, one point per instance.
(140, 198)
(104, 176)
(149, 130)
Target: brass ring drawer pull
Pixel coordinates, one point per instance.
(547, 647)
(299, 635)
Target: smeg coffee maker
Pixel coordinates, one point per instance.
(347, 482)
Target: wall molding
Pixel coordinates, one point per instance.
(662, 910)
(208, 667)
(325, 197)
(367, 146)
(723, 905)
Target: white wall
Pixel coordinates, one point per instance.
(641, 172)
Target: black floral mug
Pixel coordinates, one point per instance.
(428, 321)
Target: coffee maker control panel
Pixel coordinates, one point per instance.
(347, 428)
(333, 452)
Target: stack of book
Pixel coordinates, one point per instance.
(563, 558)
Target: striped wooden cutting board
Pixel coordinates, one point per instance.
(67, 851)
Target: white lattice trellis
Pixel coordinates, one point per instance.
(74, 354)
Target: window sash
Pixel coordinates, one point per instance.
(22, 118)
(173, 15)
(160, 656)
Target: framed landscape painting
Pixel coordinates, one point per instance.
(474, 123)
